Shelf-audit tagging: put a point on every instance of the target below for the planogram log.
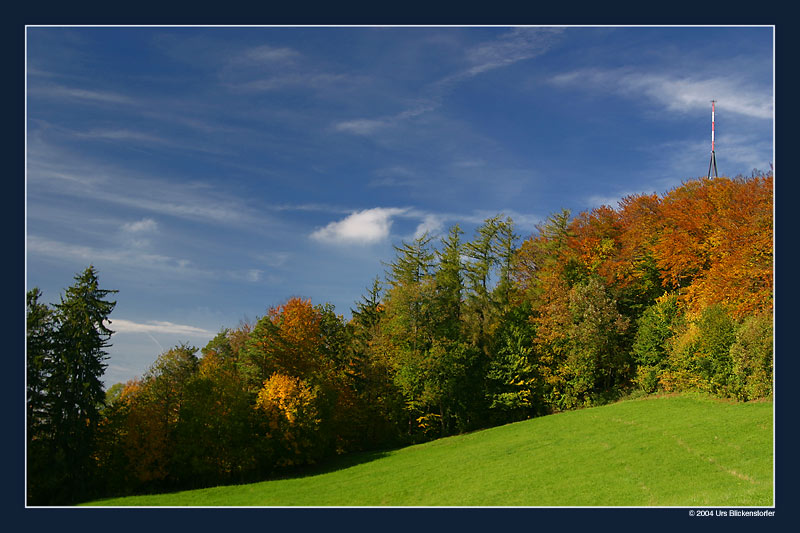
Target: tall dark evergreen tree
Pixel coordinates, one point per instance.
(368, 310)
(383, 404)
(365, 329)
(514, 385)
(40, 328)
(74, 387)
(40, 324)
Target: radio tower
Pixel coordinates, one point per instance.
(713, 161)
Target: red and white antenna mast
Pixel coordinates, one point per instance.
(713, 161)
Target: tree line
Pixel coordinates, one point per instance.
(663, 293)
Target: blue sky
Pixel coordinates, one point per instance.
(210, 173)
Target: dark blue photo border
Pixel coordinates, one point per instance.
(270, 519)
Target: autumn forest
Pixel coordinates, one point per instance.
(663, 293)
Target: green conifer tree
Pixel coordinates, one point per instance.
(70, 387)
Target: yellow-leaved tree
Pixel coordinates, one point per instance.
(293, 418)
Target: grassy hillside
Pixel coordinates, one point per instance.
(664, 451)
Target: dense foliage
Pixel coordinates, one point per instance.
(65, 361)
(662, 293)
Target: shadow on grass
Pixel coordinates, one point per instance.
(333, 464)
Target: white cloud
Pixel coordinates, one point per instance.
(678, 93)
(517, 45)
(120, 135)
(361, 126)
(268, 54)
(146, 225)
(119, 325)
(135, 233)
(469, 163)
(245, 64)
(131, 137)
(307, 80)
(252, 275)
(431, 224)
(396, 176)
(59, 91)
(268, 68)
(274, 259)
(362, 227)
(325, 208)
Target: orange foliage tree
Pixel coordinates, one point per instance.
(287, 340)
(708, 242)
(715, 243)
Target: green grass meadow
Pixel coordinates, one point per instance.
(687, 450)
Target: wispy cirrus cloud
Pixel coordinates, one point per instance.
(309, 80)
(367, 126)
(252, 275)
(678, 93)
(746, 150)
(126, 135)
(394, 176)
(135, 258)
(119, 325)
(324, 208)
(517, 45)
(676, 161)
(54, 170)
(274, 259)
(363, 126)
(86, 95)
(152, 196)
(268, 68)
(469, 163)
(134, 138)
(265, 54)
(130, 258)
